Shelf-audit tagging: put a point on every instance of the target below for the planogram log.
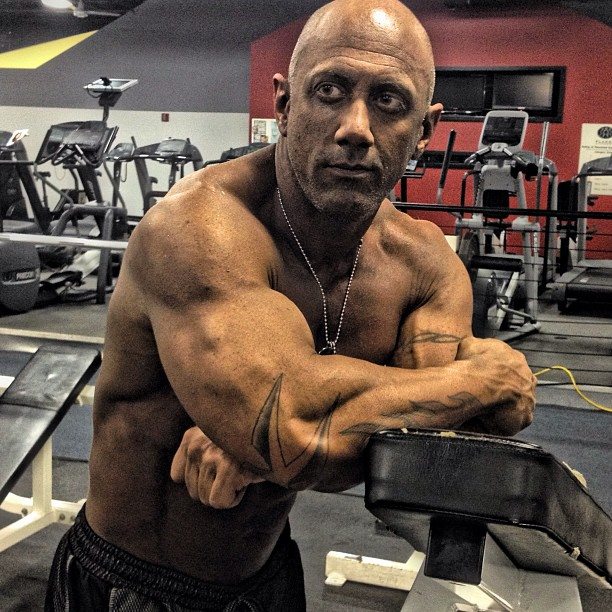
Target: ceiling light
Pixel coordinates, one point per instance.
(58, 4)
(79, 10)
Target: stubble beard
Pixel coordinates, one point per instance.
(338, 201)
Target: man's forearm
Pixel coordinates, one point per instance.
(301, 445)
(318, 444)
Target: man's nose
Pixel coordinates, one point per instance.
(354, 128)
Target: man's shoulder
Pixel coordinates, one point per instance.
(211, 206)
(202, 232)
(196, 210)
(406, 236)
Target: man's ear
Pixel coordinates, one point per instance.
(281, 102)
(429, 126)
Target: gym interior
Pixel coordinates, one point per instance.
(105, 104)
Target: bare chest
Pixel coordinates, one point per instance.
(364, 321)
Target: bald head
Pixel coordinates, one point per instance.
(389, 22)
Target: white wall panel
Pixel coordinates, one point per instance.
(211, 133)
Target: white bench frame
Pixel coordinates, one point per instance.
(40, 510)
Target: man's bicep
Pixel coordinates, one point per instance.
(224, 359)
(429, 335)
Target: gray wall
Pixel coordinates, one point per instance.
(189, 55)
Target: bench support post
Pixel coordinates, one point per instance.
(40, 510)
(503, 586)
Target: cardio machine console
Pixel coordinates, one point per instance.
(105, 85)
(504, 129)
(90, 138)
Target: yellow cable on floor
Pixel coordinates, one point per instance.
(574, 384)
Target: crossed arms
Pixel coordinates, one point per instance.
(240, 358)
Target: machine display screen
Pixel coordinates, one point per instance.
(111, 85)
(503, 129)
(57, 134)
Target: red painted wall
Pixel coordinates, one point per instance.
(545, 36)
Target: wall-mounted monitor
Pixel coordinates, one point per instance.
(469, 93)
(533, 91)
(461, 93)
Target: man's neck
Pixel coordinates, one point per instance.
(327, 240)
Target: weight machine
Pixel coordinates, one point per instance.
(505, 285)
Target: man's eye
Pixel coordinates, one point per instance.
(390, 102)
(329, 92)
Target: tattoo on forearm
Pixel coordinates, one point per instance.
(317, 461)
(269, 421)
(466, 400)
(428, 409)
(431, 337)
(363, 429)
(321, 433)
(260, 437)
(435, 413)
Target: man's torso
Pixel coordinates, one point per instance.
(139, 421)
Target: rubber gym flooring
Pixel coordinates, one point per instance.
(565, 425)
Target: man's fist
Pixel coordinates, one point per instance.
(509, 386)
(209, 473)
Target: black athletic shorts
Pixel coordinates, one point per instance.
(90, 574)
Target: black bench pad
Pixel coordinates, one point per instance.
(531, 504)
(35, 403)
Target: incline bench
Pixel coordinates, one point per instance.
(505, 526)
(500, 525)
(30, 410)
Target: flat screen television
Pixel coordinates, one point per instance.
(469, 93)
(518, 91)
(461, 93)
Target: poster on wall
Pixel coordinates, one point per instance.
(264, 130)
(595, 143)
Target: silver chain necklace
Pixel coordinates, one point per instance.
(330, 345)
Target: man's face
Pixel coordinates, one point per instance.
(355, 116)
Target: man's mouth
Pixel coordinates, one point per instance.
(350, 170)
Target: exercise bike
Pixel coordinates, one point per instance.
(505, 285)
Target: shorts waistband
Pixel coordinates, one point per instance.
(115, 565)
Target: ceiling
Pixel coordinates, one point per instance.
(27, 22)
(599, 9)
(31, 7)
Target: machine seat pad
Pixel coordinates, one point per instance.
(35, 403)
(531, 503)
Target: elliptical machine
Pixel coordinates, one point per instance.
(80, 148)
(505, 285)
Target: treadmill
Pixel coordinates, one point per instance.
(13, 157)
(590, 280)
